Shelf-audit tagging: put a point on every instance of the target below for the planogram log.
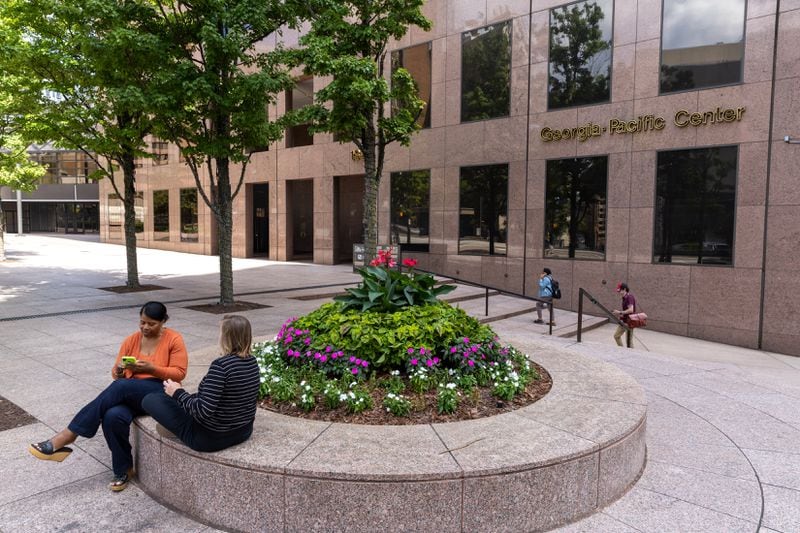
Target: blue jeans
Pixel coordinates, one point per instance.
(115, 408)
(168, 412)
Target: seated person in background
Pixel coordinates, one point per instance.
(159, 354)
(221, 413)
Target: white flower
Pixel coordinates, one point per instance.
(302, 383)
(276, 379)
(342, 397)
(451, 386)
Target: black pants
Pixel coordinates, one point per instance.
(115, 408)
(168, 412)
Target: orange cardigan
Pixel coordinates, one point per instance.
(170, 356)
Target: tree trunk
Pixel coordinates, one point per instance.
(371, 181)
(129, 201)
(225, 231)
(2, 234)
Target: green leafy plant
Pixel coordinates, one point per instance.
(387, 290)
(397, 404)
(447, 398)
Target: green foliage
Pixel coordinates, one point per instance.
(387, 290)
(358, 399)
(447, 398)
(397, 404)
(384, 339)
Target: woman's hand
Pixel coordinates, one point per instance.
(143, 367)
(170, 387)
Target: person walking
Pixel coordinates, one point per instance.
(628, 307)
(545, 295)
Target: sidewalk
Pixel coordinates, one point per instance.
(723, 422)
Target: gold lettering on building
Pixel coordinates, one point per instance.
(641, 124)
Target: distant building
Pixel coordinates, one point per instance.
(65, 201)
(653, 154)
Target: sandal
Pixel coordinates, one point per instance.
(119, 482)
(44, 450)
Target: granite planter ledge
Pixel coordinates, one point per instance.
(574, 451)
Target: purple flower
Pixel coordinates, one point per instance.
(317, 355)
(471, 362)
(410, 351)
(364, 364)
(323, 358)
(422, 351)
(328, 349)
(466, 340)
(474, 348)
(453, 349)
(414, 362)
(429, 362)
(307, 341)
(289, 338)
(357, 361)
(435, 360)
(354, 370)
(352, 358)
(290, 352)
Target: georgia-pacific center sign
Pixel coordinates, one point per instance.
(642, 123)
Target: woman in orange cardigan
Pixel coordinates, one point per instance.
(160, 355)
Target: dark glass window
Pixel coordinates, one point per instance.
(417, 61)
(160, 151)
(580, 53)
(483, 210)
(702, 43)
(575, 210)
(410, 204)
(116, 214)
(695, 206)
(189, 215)
(161, 215)
(486, 72)
(300, 96)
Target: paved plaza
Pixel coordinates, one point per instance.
(723, 424)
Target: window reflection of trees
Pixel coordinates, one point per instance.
(410, 201)
(580, 54)
(483, 210)
(695, 206)
(189, 227)
(161, 215)
(575, 210)
(417, 61)
(486, 72)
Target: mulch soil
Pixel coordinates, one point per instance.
(13, 416)
(122, 289)
(219, 309)
(478, 405)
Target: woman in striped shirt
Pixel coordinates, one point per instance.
(221, 413)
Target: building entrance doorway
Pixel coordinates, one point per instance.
(261, 219)
(348, 214)
(300, 203)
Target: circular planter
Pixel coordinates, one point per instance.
(567, 455)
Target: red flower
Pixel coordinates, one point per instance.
(410, 263)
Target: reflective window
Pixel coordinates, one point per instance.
(580, 53)
(161, 215)
(410, 209)
(116, 214)
(65, 166)
(160, 150)
(483, 210)
(189, 215)
(702, 43)
(575, 210)
(300, 96)
(486, 72)
(695, 206)
(417, 61)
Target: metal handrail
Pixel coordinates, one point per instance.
(583, 293)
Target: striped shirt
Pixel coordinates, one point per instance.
(227, 395)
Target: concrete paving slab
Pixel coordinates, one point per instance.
(722, 460)
(781, 508)
(597, 522)
(776, 468)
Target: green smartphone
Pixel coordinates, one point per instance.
(128, 360)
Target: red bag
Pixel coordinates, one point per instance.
(637, 320)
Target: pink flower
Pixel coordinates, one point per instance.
(328, 349)
(364, 364)
(352, 358)
(307, 341)
(323, 358)
(453, 349)
(429, 362)
(422, 351)
(471, 362)
(289, 338)
(435, 360)
(354, 370)
(317, 355)
(290, 352)
(375, 262)
(410, 351)
(410, 263)
(414, 362)
(466, 340)
(357, 361)
(474, 348)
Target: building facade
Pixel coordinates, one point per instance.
(65, 201)
(609, 140)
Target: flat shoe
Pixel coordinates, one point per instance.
(538, 321)
(44, 450)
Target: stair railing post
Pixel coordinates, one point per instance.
(580, 313)
(486, 311)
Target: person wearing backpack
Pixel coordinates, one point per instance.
(546, 292)
(628, 307)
